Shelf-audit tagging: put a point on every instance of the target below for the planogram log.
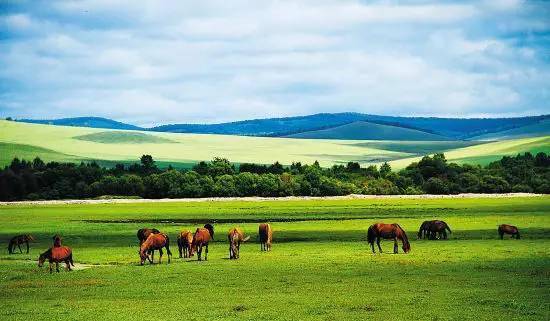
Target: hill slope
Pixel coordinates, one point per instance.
(540, 128)
(92, 122)
(369, 131)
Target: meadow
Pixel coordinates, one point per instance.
(75, 144)
(320, 268)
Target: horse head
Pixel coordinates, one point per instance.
(42, 258)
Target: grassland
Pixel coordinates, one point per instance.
(320, 267)
(110, 146)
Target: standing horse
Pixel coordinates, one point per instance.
(17, 241)
(508, 229)
(235, 238)
(438, 227)
(155, 241)
(380, 231)
(266, 236)
(57, 255)
(185, 239)
(201, 238)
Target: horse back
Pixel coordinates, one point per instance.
(60, 253)
(202, 236)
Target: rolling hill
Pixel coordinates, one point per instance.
(64, 143)
(92, 122)
(369, 131)
(537, 129)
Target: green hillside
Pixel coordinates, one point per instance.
(61, 143)
(369, 131)
(538, 129)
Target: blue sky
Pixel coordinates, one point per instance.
(152, 62)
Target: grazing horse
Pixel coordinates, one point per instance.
(57, 255)
(235, 238)
(201, 238)
(155, 241)
(143, 234)
(388, 231)
(17, 241)
(433, 229)
(266, 236)
(508, 229)
(185, 239)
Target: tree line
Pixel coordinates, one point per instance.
(36, 180)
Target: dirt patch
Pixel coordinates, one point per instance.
(265, 199)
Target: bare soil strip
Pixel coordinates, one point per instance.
(263, 199)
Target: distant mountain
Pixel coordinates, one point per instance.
(454, 128)
(94, 122)
(539, 128)
(369, 131)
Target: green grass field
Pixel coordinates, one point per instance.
(74, 144)
(320, 268)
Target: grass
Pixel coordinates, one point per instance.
(320, 268)
(127, 146)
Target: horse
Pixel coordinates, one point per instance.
(235, 236)
(155, 241)
(185, 239)
(57, 240)
(57, 254)
(438, 227)
(423, 230)
(17, 241)
(201, 238)
(266, 236)
(388, 231)
(143, 234)
(508, 229)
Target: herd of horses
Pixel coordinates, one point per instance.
(151, 240)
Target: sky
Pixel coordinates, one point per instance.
(156, 62)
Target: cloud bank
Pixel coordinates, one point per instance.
(156, 62)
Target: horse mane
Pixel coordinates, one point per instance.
(404, 235)
(210, 229)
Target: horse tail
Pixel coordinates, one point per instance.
(10, 247)
(167, 245)
(448, 228)
(517, 235)
(71, 259)
(371, 235)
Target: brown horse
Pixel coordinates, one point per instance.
(143, 234)
(57, 255)
(235, 238)
(201, 238)
(185, 239)
(433, 229)
(380, 231)
(17, 241)
(508, 229)
(155, 241)
(266, 236)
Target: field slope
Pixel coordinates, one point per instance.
(369, 131)
(110, 146)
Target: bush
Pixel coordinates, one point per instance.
(436, 185)
(494, 184)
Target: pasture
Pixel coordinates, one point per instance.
(75, 144)
(320, 268)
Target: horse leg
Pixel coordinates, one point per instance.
(67, 262)
(238, 250)
(199, 252)
(230, 252)
(444, 234)
(206, 253)
(395, 246)
(27, 247)
(160, 255)
(378, 239)
(57, 267)
(19, 246)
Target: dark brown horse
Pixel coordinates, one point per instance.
(266, 236)
(201, 238)
(433, 230)
(155, 241)
(185, 239)
(57, 240)
(57, 255)
(508, 229)
(380, 231)
(235, 236)
(17, 241)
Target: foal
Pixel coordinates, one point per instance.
(235, 238)
(185, 240)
